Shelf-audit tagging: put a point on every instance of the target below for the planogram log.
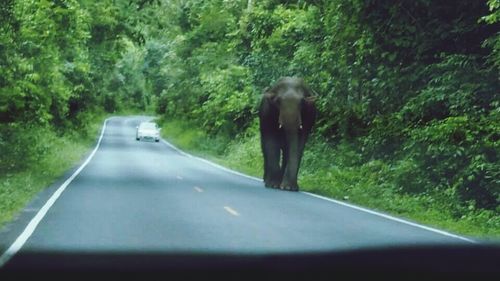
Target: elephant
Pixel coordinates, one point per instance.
(286, 114)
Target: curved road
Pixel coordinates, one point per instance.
(145, 196)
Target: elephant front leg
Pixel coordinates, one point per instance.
(272, 171)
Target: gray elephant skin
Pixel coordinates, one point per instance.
(287, 114)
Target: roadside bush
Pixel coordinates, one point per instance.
(228, 107)
(453, 153)
(23, 146)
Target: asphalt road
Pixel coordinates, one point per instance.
(136, 196)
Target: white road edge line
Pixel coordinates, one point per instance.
(390, 217)
(209, 162)
(30, 228)
(329, 199)
(231, 211)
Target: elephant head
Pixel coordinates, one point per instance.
(287, 114)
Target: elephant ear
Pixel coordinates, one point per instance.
(271, 94)
(310, 95)
(310, 99)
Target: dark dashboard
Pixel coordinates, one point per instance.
(432, 262)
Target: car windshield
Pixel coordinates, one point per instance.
(253, 128)
(148, 126)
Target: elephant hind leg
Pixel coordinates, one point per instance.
(271, 183)
(273, 174)
(274, 179)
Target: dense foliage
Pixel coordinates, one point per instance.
(410, 84)
(58, 67)
(413, 84)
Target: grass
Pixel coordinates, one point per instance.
(19, 187)
(192, 139)
(331, 172)
(362, 186)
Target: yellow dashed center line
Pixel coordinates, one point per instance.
(231, 211)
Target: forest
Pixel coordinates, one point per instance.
(407, 91)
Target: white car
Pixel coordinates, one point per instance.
(148, 131)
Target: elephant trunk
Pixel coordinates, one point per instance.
(290, 120)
